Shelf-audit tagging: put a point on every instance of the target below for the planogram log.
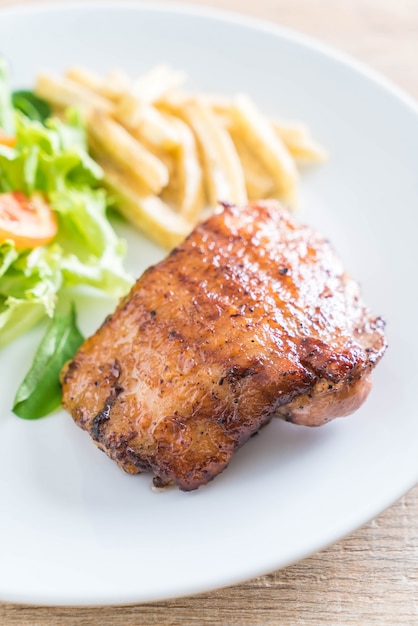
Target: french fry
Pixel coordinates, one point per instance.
(218, 103)
(64, 92)
(188, 176)
(157, 83)
(112, 87)
(146, 123)
(223, 175)
(270, 149)
(115, 85)
(258, 182)
(299, 142)
(146, 212)
(295, 135)
(171, 155)
(116, 143)
(221, 106)
(172, 102)
(83, 76)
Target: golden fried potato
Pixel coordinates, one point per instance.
(299, 142)
(223, 175)
(146, 123)
(63, 92)
(145, 211)
(157, 83)
(187, 177)
(256, 131)
(117, 144)
(258, 182)
(171, 155)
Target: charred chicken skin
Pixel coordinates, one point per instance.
(252, 317)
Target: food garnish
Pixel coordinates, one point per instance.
(55, 236)
(40, 392)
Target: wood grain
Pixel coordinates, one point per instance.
(371, 577)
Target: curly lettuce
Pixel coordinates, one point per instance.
(51, 157)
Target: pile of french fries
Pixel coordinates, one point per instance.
(168, 154)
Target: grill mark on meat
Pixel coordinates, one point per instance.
(323, 362)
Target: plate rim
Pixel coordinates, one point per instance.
(225, 15)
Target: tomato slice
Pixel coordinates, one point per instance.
(29, 222)
(6, 140)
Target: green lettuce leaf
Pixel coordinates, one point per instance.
(92, 253)
(50, 156)
(29, 284)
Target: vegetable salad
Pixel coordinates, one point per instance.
(55, 235)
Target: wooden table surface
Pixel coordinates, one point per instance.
(371, 577)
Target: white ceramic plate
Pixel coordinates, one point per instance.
(76, 530)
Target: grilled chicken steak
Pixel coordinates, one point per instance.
(251, 317)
